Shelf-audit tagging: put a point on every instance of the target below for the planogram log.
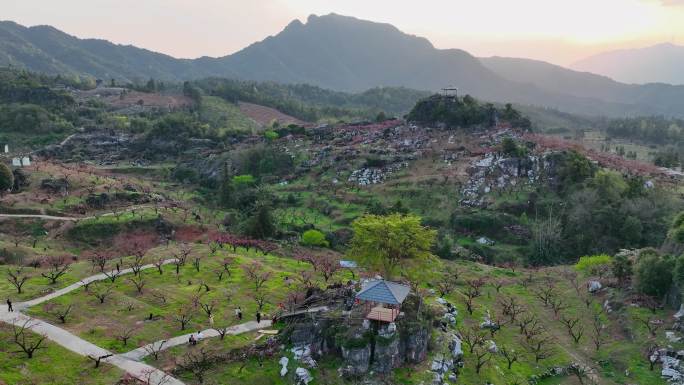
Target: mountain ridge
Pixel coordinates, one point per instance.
(659, 63)
(346, 54)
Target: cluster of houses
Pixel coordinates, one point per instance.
(19, 160)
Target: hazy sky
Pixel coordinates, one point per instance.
(560, 31)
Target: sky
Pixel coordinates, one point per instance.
(558, 31)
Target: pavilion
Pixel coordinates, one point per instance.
(383, 299)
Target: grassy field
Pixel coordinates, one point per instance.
(127, 309)
(619, 360)
(53, 365)
(222, 114)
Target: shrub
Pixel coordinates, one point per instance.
(270, 135)
(6, 178)
(595, 264)
(654, 274)
(243, 180)
(314, 238)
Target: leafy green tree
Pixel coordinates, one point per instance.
(270, 135)
(399, 208)
(575, 168)
(385, 242)
(6, 179)
(151, 85)
(609, 184)
(622, 268)
(653, 273)
(631, 231)
(261, 224)
(314, 238)
(677, 229)
(678, 276)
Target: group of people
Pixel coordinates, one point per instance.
(194, 338)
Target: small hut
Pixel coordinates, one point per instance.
(383, 299)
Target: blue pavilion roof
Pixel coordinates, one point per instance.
(384, 292)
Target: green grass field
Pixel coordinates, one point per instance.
(53, 365)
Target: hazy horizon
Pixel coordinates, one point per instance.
(560, 32)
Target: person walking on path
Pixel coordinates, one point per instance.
(9, 305)
(258, 317)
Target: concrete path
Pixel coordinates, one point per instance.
(81, 283)
(39, 216)
(130, 361)
(304, 311)
(142, 352)
(141, 371)
(70, 219)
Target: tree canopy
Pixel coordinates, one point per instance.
(6, 178)
(385, 242)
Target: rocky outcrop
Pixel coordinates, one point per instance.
(357, 353)
(387, 354)
(496, 172)
(415, 345)
(364, 347)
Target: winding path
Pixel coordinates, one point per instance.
(144, 351)
(250, 326)
(130, 361)
(81, 283)
(141, 371)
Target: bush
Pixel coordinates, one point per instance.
(6, 178)
(595, 264)
(314, 238)
(654, 274)
(270, 135)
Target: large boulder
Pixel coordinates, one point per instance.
(455, 346)
(594, 286)
(302, 376)
(283, 363)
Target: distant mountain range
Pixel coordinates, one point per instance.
(662, 63)
(346, 54)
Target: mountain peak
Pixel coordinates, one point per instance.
(294, 25)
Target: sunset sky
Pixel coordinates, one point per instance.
(559, 31)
